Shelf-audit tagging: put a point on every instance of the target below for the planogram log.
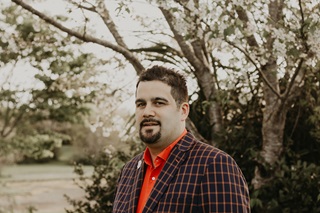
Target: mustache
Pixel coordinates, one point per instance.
(148, 120)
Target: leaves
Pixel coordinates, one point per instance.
(100, 186)
(37, 147)
(229, 31)
(266, 54)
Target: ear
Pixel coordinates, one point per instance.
(185, 108)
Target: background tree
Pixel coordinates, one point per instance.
(268, 53)
(60, 92)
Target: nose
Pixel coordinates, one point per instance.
(148, 111)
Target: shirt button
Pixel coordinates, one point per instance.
(153, 178)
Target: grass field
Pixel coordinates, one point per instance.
(38, 188)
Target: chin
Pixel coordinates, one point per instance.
(150, 139)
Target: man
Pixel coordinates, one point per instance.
(176, 172)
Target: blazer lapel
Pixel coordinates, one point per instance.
(177, 156)
(137, 184)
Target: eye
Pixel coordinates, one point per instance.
(159, 103)
(140, 104)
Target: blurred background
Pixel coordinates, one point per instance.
(68, 70)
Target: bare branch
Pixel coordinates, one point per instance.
(203, 74)
(86, 38)
(187, 51)
(244, 18)
(289, 90)
(14, 124)
(92, 8)
(159, 48)
(198, 46)
(264, 78)
(104, 14)
(299, 71)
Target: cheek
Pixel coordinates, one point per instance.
(138, 116)
(168, 120)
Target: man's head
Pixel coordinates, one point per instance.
(161, 106)
(176, 81)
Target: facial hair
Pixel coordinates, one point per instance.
(149, 137)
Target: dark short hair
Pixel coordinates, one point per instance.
(175, 80)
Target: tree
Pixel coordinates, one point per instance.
(269, 48)
(60, 92)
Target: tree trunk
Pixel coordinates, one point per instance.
(196, 56)
(274, 119)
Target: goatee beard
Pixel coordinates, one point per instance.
(152, 139)
(149, 137)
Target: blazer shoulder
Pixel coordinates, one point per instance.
(210, 152)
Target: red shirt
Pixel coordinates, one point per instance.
(152, 173)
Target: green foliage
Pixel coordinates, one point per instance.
(242, 140)
(62, 93)
(100, 186)
(229, 31)
(35, 147)
(36, 43)
(295, 183)
(198, 111)
(295, 189)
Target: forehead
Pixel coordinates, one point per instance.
(151, 89)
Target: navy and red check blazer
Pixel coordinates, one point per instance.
(196, 178)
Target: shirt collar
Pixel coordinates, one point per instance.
(165, 153)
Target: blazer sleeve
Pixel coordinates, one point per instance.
(223, 187)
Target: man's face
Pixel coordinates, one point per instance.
(159, 119)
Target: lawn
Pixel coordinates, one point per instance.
(38, 188)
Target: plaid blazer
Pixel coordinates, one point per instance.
(196, 178)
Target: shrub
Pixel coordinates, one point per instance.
(100, 186)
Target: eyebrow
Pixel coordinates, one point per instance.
(152, 99)
(160, 99)
(140, 100)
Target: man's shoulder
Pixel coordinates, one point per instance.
(208, 156)
(204, 150)
(208, 149)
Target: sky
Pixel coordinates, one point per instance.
(23, 75)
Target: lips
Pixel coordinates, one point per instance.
(148, 122)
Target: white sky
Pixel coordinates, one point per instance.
(126, 25)
(22, 76)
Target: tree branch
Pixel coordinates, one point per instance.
(187, 51)
(293, 79)
(264, 78)
(86, 38)
(203, 75)
(244, 18)
(104, 14)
